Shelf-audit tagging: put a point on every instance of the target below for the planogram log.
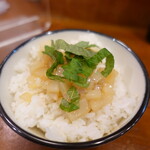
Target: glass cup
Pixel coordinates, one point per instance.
(20, 20)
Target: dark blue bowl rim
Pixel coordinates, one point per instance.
(87, 144)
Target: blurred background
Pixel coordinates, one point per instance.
(126, 20)
(133, 13)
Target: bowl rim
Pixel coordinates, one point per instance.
(88, 144)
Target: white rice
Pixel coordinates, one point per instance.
(44, 113)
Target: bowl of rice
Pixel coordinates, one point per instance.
(72, 89)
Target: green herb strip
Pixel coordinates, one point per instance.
(77, 71)
(98, 57)
(78, 49)
(58, 59)
(72, 103)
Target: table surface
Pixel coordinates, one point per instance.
(138, 138)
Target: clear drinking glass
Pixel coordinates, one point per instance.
(20, 20)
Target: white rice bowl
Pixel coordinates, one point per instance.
(44, 113)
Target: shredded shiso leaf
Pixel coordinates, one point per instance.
(78, 62)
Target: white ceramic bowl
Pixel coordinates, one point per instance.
(132, 70)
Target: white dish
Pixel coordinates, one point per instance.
(131, 69)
